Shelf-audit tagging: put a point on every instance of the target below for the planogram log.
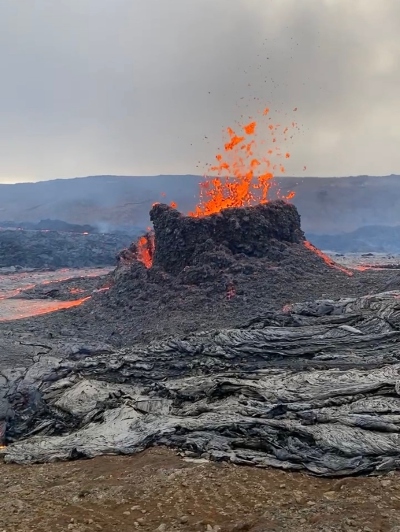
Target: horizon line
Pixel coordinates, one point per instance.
(182, 175)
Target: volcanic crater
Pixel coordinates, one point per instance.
(193, 273)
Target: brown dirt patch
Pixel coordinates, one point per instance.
(158, 490)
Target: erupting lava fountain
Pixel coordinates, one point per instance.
(242, 177)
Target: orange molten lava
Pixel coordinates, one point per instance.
(103, 289)
(25, 309)
(76, 290)
(145, 249)
(243, 173)
(326, 259)
(243, 176)
(70, 304)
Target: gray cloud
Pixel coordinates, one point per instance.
(134, 86)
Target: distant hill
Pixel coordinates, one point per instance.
(49, 225)
(376, 238)
(326, 205)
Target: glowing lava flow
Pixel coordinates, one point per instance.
(60, 305)
(19, 309)
(145, 249)
(327, 259)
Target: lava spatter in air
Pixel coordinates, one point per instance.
(242, 176)
(244, 169)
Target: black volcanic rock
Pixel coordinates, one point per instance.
(249, 231)
(42, 249)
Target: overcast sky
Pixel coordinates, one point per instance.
(133, 87)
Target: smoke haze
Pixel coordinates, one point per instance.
(142, 87)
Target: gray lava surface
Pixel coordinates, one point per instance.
(315, 387)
